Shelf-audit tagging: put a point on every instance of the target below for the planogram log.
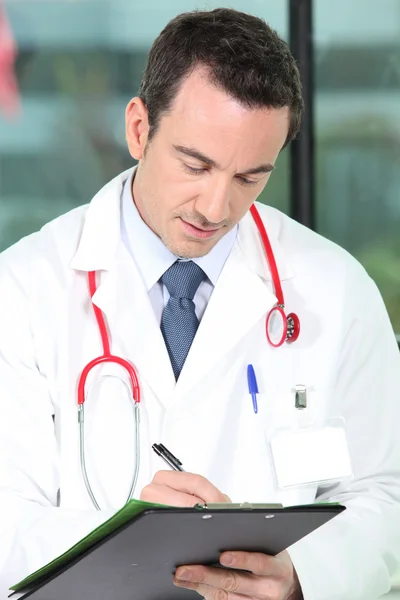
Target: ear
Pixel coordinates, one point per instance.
(136, 127)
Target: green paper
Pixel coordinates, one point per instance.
(125, 514)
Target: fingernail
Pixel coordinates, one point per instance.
(227, 559)
(184, 574)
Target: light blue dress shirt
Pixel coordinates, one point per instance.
(153, 258)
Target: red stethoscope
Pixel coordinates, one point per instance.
(280, 328)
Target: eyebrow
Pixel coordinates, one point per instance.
(193, 153)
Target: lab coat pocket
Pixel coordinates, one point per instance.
(306, 447)
(310, 455)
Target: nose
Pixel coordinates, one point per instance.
(214, 201)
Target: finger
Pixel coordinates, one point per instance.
(228, 580)
(190, 483)
(208, 592)
(162, 494)
(259, 564)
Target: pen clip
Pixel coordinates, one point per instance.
(167, 456)
(251, 380)
(253, 386)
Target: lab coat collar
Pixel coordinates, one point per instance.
(101, 235)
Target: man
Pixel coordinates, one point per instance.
(184, 284)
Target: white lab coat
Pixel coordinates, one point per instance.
(346, 356)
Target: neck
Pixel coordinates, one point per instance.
(136, 197)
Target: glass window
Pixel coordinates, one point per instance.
(358, 135)
(79, 63)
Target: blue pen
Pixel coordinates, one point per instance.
(253, 387)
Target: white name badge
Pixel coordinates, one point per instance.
(310, 455)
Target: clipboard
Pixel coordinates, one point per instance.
(137, 560)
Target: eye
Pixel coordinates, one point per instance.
(194, 170)
(245, 181)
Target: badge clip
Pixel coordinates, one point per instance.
(300, 396)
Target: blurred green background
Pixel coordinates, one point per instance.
(80, 61)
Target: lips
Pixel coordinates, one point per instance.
(198, 233)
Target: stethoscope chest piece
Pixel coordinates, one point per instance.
(276, 326)
(281, 328)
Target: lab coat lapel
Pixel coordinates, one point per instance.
(135, 332)
(239, 300)
(242, 297)
(121, 294)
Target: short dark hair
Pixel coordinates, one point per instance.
(245, 58)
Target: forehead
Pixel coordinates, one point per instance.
(209, 115)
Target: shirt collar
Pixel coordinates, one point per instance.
(151, 255)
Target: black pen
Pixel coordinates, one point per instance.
(168, 457)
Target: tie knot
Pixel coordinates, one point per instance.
(183, 278)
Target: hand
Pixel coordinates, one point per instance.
(177, 488)
(270, 578)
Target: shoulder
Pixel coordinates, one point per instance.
(57, 239)
(308, 251)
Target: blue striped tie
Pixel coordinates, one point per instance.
(179, 322)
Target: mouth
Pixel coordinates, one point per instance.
(198, 232)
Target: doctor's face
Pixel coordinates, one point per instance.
(208, 161)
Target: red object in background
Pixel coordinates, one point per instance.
(9, 93)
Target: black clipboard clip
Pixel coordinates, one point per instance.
(237, 506)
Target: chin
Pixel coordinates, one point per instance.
(189, 249)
